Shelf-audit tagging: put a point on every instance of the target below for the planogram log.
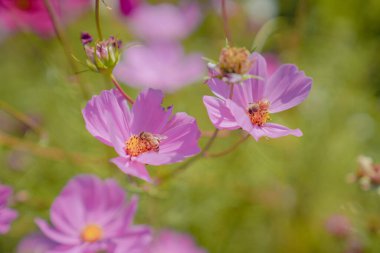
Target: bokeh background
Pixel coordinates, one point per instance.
(274, 195)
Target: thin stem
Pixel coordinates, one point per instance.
(230, 149)
(66, 47)
(22, 117)
(116, 83)
(51, 153)
(226, 28)
(97, 19)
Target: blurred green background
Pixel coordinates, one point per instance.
(268, 196)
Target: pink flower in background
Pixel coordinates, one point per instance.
(128, 6)
(7, 215)
(35, 243)
(161, 66)
(31, 15)
(255, 99)
(164, 22)
(145, 134)
(91, 215)
(339, 226)
(172, 242)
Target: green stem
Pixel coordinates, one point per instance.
(226, 28)
(65, 45)
(97, 19)
(116, 83)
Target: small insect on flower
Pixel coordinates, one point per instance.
(146, 134)
(102, 56)
(250, 104)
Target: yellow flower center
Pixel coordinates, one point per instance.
(259, 112)
(144, 142)
(234, 60)
(92, 233)
(23, 4)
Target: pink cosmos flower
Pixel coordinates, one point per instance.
(35, 243)
(32, 14)
(164, 22)
(171, 242)
(7, 215)
(91, 215)
(255, 99)
(144, 134)
(161, 66)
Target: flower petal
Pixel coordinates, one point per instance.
(148, 114)
(286, 88)
(54, 235)
(105, 110)
(275, 130)
(133, 168)
(219, 114)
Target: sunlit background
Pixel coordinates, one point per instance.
(274, 195)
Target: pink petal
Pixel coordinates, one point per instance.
(132, 168)
(286, 88)
(55, 235)
(219, 114)
(148, 114)
(109, 109)
(275, 131)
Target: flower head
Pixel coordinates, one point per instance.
(172, 242)
(164, 22)
(32, 14)
(127, 7)
(253, 101)
(367, 174)
(7, 215)
(144, 134)
(35, 243)
(339, 226)
(233, 66)
(92, 215)
(102, 56)
(161, 66)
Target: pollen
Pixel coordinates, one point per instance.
(259, 112)
(92, 233)
(139, 144)
(235, 60)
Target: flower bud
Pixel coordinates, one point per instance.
(234, 60)
(102, 56)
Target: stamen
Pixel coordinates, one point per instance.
(92, 233)
(259, 112)
(144, 142)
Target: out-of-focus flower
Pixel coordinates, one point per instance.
(164, 22)
(92, 215)
(367, 174)
(234, 65)
(128, 6)
(7, 215)
(339, 226)
(253, 100)
(354, 245)
(102, 56)
(161, 66)
(32, 15)
(35, 243)
(172, 242)
(146, 134)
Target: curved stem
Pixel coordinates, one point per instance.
(65, 45)
(228, 150)
(116, 83)
(51, 153)
(22, 117)
(226, 28)
(97, 19)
